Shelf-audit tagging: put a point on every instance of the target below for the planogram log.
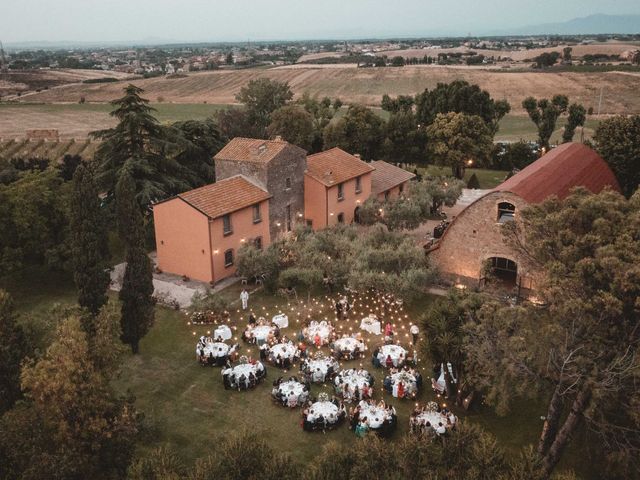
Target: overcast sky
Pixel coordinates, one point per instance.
(219, 20)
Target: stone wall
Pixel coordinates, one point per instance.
(474, 236)
(256, 171)
(290, 163)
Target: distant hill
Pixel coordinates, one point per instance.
(591, 25)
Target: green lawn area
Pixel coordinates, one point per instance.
(520, 127)
(487, 178)
(185, 405)
(166, 112)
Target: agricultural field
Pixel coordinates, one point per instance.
(605, 48)
(51, 150)
(19, 82)
(77, 120)
(367, 85)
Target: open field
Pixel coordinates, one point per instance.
(185, 405)
(77, 120)
(608, 48)
(367, 85)
(19, 81)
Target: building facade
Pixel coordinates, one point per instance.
(199, 232)
(335, 185)
(389, 182)
(474, 240)
(276, 166)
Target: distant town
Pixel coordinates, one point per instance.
(182, 58)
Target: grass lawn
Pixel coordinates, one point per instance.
(166, 112)
(520, 127)
(487, 178)
(185, 405)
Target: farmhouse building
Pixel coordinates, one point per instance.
(388, 182)
(263, 188)
(474, 238)
(276, 166)
(335, 185)
(198, 232)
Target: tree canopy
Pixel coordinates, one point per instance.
(293, 124)
(618, 141)
(261, 98)
(582, 348)
(360, 130)
(458, 140)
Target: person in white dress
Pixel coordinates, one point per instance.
(414, 332)
(244, 298)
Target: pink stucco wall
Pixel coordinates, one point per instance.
(393, 192)
(182, 240)
(315, 202)
(244, 230)
(351, 199)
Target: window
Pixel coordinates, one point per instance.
(226, 225)
(288, 219)
(358, 184)
(310, 223)
(228, 258)
(341, 218)
(257, 217)
(287, 183)
(340, 191)
(257, 242)
(506, 212)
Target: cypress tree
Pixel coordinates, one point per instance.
(473, 182)
(13, 349)
(89, 246)
(136, 295)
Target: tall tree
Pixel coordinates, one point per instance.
(460, 97)
(89, 248)
(136, 294)
(581, 352)
(576, 118)
(618, 141)
(544, 114)
(197, 141)
(360, 130)
(458, 140)
(137, 145)
(293, 124)
(13, 350)
(405, 141)
(262, 97)
(77, 427)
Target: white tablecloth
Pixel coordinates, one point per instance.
(284, 350)
(323, 329)
(371, 325)
(218, 349)
(245, 369)
(432, 417)
(396, 352)
(261, 332)
(325, 409)
(353, 379)
(349, 344)
(281, 320)
(318, 368)
(375, 415)
(294, 392)
(407, 379)
(223, 331)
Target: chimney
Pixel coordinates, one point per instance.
(357, 155)
(278, 138)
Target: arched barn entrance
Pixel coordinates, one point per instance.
(503, 271)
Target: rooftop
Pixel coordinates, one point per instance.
(556, 173)
(252, 150)
(225, 196)
(335, 166)
(386, 176)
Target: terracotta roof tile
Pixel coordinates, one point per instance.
(335, 166)
(225, 196)
(252, 150)
(556, 173)
(386, 176)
